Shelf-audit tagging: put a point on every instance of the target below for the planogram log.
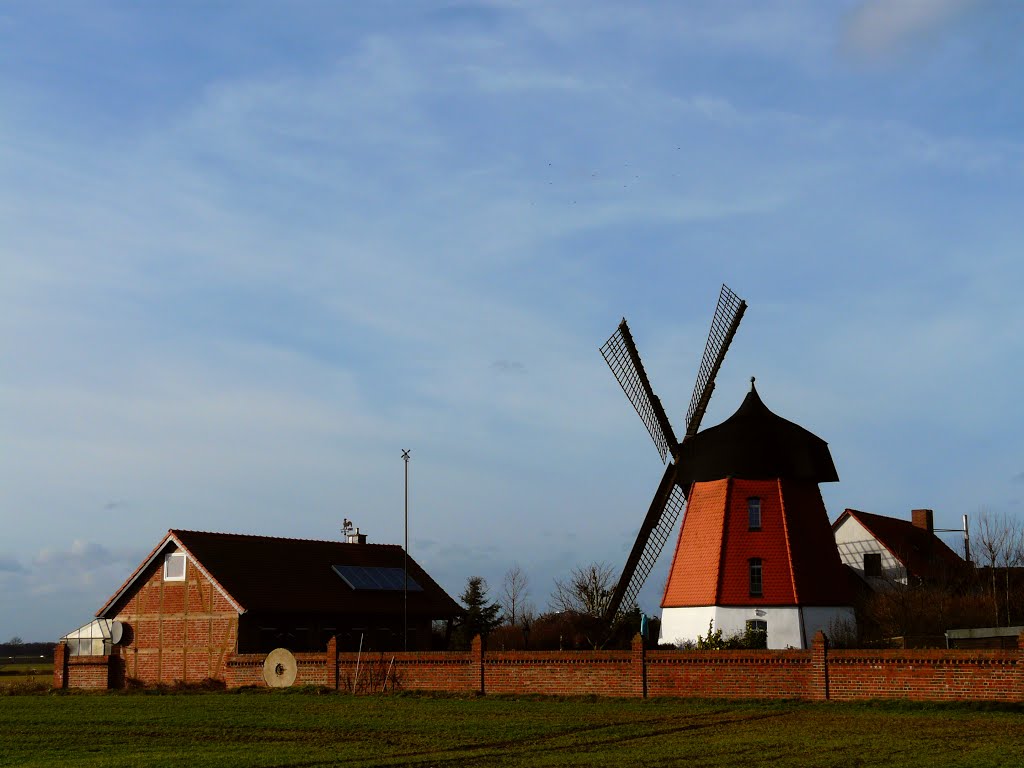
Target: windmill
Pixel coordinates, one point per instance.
(622, 357)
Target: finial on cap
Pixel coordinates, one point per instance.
(752, 382)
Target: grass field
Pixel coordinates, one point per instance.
(307, 729)
(25, 672)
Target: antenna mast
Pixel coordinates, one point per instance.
(405, 559)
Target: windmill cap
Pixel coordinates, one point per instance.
(755, 444)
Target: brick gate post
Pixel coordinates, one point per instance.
(640, 665)
(115, 669)
(1019, 681)
(60, 666)
(332, 662)
(476, 653)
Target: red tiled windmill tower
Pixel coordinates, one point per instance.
(755, 550)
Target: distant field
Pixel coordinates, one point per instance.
(25, 671)
(307, 729)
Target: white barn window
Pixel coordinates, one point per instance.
(174, 566)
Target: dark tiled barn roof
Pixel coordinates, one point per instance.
(277, 575)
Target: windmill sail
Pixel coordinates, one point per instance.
(623, 359)
(728, 314)
(621, 355)
(661, 518)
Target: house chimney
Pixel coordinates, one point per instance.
(922, 518)
(356, 538)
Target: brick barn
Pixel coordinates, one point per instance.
(199, 598)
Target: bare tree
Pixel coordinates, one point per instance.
(1012, 557)
(515, 590)
(587, 591)
(1000, 544)
(989, 540)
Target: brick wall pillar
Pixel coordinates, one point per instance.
(640, 665)
(819, 667)
(476, 653)
(60, 666)
(332, 663)
(1020, 668)
(115, 669)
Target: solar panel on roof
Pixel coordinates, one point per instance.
(359, 577)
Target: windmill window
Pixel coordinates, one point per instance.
(755, 577)
(754, 513)
(174, 566)
(757, 633)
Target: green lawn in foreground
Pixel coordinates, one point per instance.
(307, 729)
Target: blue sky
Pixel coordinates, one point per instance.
(250, 251)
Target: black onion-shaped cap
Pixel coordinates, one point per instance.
(755, 444)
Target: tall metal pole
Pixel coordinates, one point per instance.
(405, 568)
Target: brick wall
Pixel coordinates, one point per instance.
(447, 672)
(565, 673)
(247, 669)
(933, 675)
(86, 672)
(816, 674)
(730, 674)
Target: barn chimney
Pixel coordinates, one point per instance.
(922, 518)
(356, 538)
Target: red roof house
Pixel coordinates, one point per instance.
(199, 597)
(885, 550)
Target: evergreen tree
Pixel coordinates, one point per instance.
(481, 615)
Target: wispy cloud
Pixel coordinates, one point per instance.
(879, 27)
(11, 565)
(234, 285)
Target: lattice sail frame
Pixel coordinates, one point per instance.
(657, 539)
(728, 314)
(620, 353)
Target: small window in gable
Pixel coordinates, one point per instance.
(174, 566)
(754, 513)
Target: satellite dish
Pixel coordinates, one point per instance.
(280, 668)
(120, 633)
